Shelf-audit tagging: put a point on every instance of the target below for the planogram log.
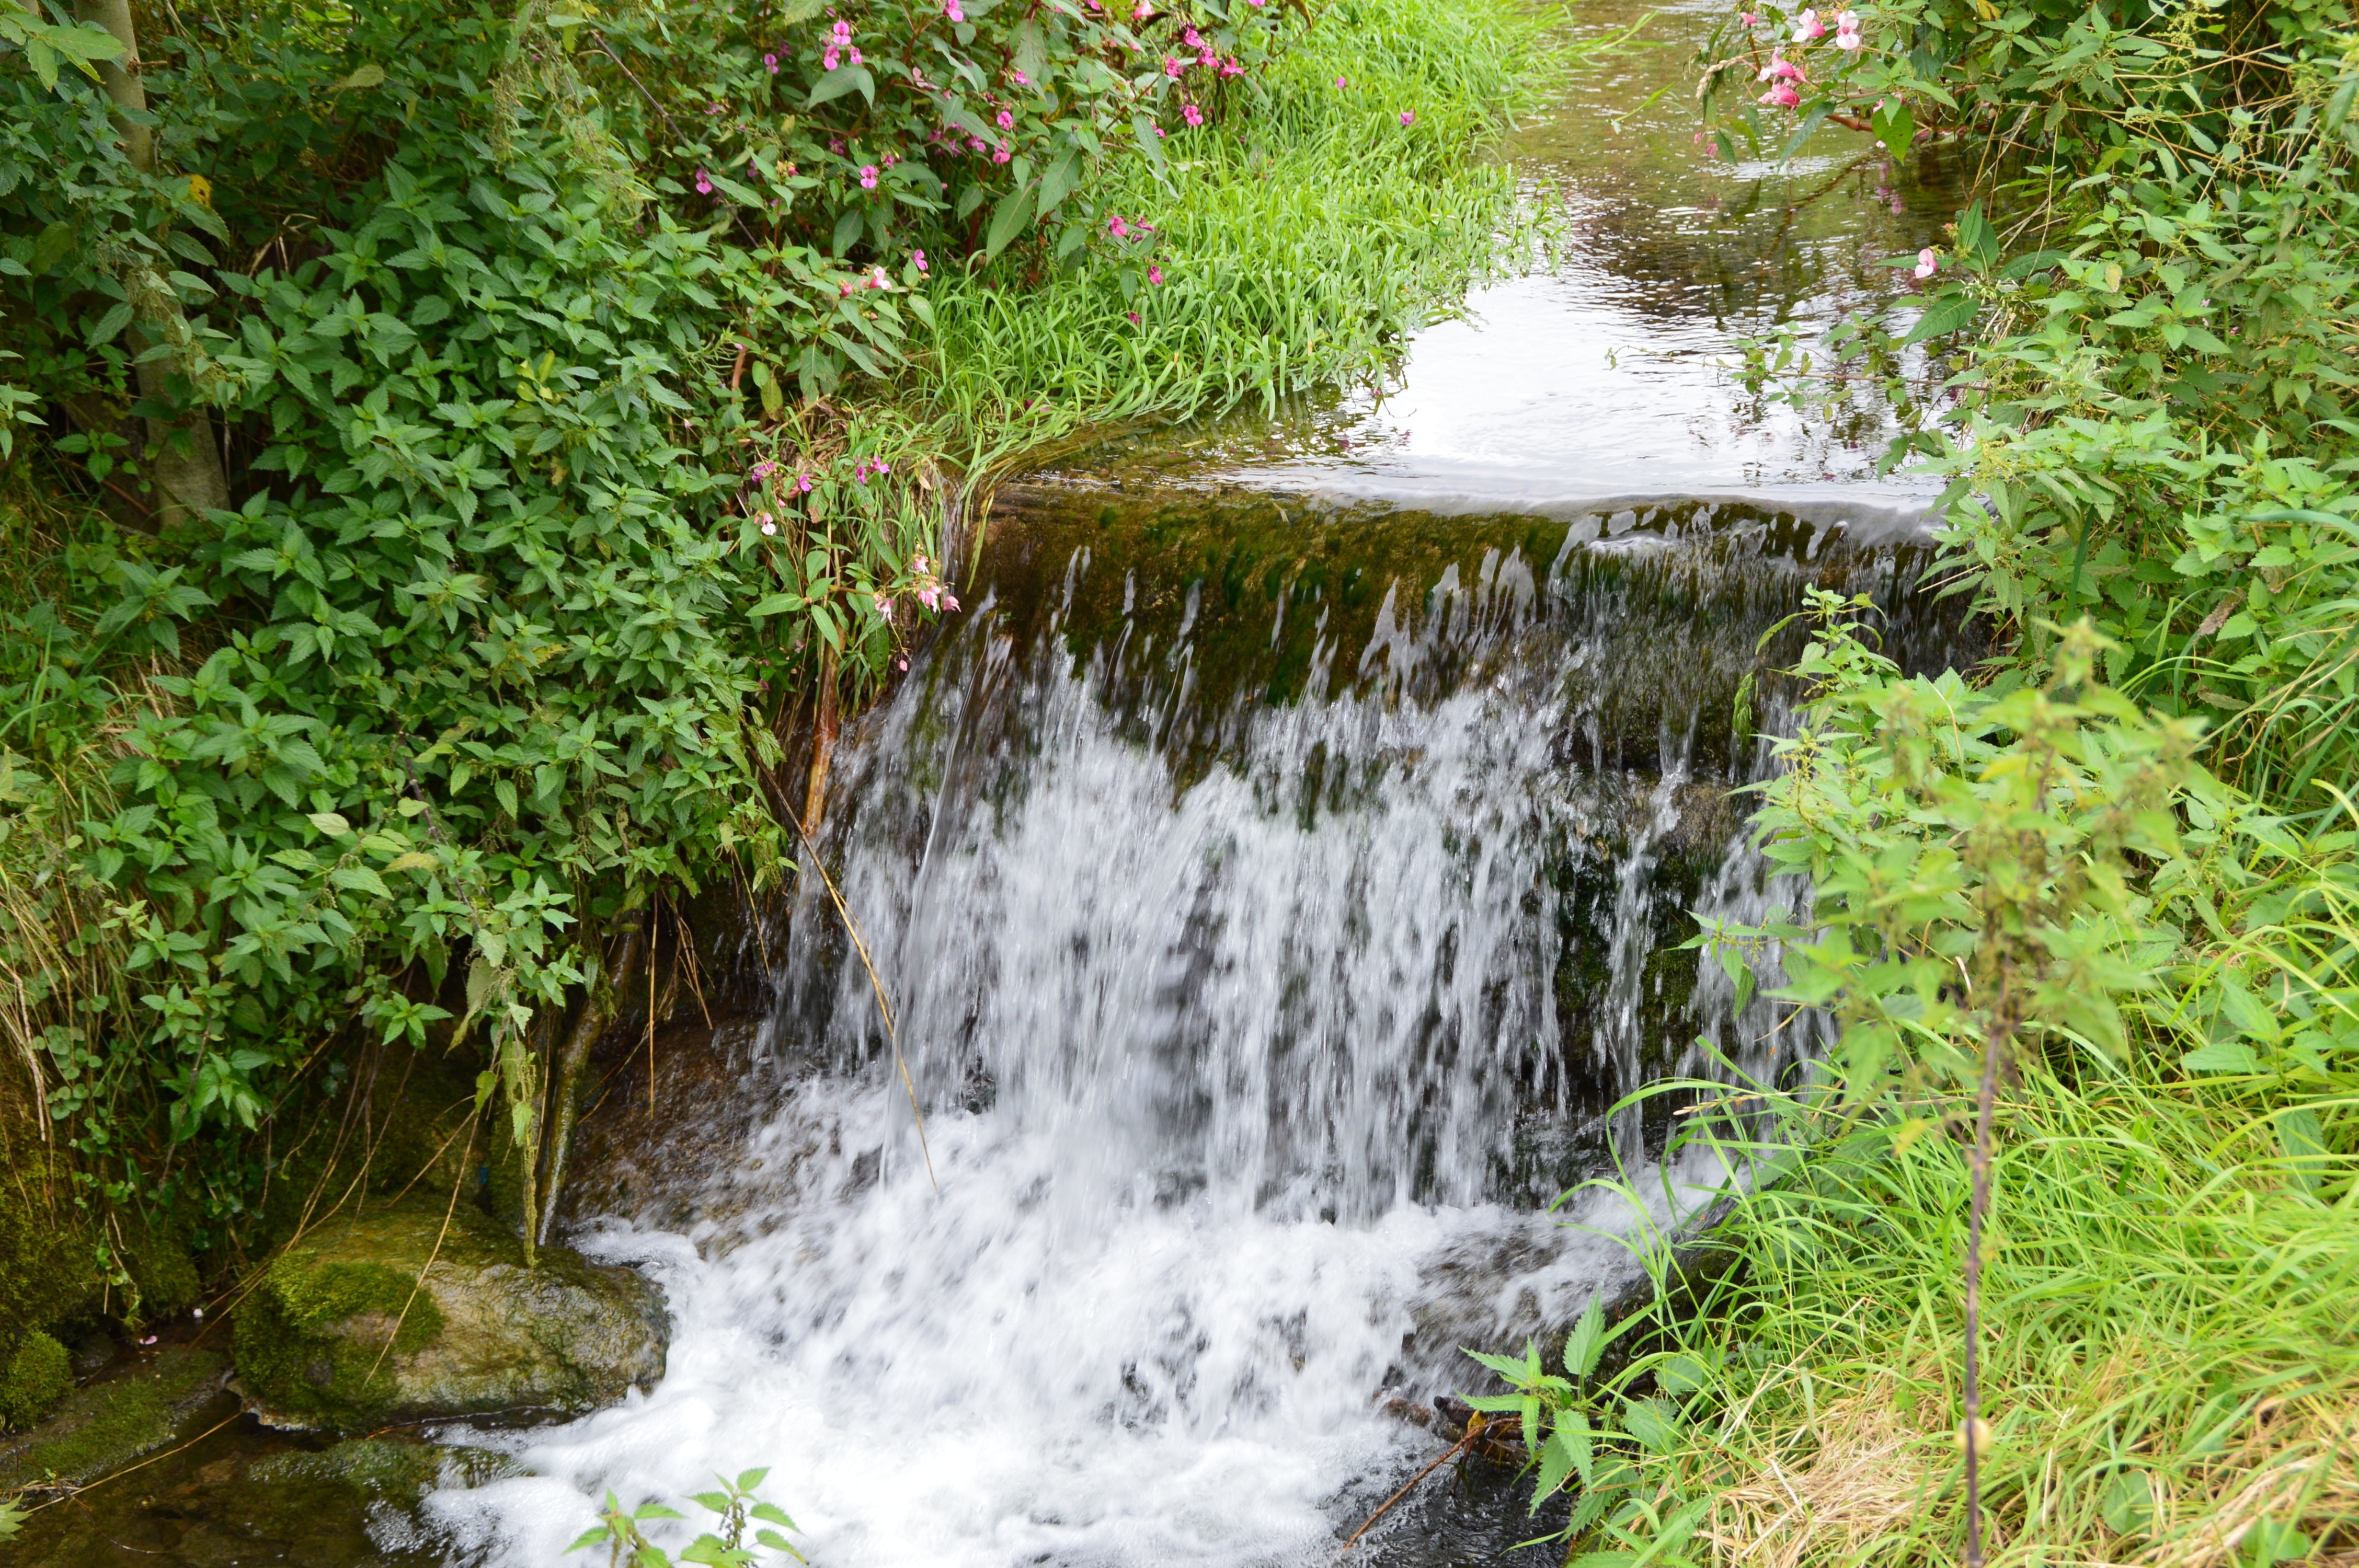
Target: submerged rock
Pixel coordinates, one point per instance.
(408, 1315)
(101, 1428)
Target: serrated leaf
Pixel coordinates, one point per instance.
(330, 823)
(844, 78)
(1063, 176)
(1944, 313)
(360, 878)
(111, 323)
(1006, 220)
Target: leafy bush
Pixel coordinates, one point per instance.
(571, 377)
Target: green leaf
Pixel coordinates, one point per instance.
(369, 75)
(1062, 178)
(1006, 220)
(1895, 124)
(1586, 1342)
(1944, 313)
(111, 323)
(844, 78)
(330, 823)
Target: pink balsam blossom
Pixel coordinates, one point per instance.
(1929, 262)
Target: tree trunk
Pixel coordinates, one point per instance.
(181, 461)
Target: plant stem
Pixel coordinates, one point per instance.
(1993, 1046)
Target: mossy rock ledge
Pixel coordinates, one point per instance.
(400, 1316)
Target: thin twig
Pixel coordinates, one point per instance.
(892, 1033)
(1473, 1432)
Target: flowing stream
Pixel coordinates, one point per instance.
(1276, 877)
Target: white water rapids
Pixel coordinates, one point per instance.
(1246, 1092)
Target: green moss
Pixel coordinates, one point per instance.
(36, 1378)
(341, 1378)
(47, 1271)
(108, 1424)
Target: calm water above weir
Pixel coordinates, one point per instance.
(1276, 874)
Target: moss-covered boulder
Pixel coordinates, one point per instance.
(405, 1315)
(101, 1428)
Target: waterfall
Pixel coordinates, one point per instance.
(1272, 900)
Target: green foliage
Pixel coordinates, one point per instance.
(532, 343)
(618, 1528)
(36, 1377)
(1300, 251)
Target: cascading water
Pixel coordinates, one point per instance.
(1276, 879)
(1268, 926)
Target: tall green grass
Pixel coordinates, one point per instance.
(2168, 1355)
(1301, 239)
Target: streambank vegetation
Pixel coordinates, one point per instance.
(458, 462)
(2057, 1257)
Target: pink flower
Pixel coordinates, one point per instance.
(883, 607)
(1231, 68)
(855, 57)
(1192, 39)
(1807, 28)
(917, 259)
(860, 470)
(1341, 83)
(883, 467)
(830, 60)
(1172, 66)
(1408, 116)
(930, 596)
(1155, 275)
(1190, 113)
(877, 280)
(1006, 120)
(843, 32)
(802, 484)
(918, 564)
(772, 61)
(1002, 153)
(769, 523)
(949, 601)
(1779, 66)
(704, 183)
(1847, 30)
(905, 664)
(1021, 80)
(1750, 20)
(975, 144)
(1133, 315)
(1782, 96)
(1207, 58)
(869, 177)
(763, 470)
(1929, 262)
(1117, 228)
(951, 9)
(1161, 133)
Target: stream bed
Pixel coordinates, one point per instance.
(1276, 875)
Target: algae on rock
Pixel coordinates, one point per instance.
(412, 1313)
(104, 1426)
(35, 1377)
